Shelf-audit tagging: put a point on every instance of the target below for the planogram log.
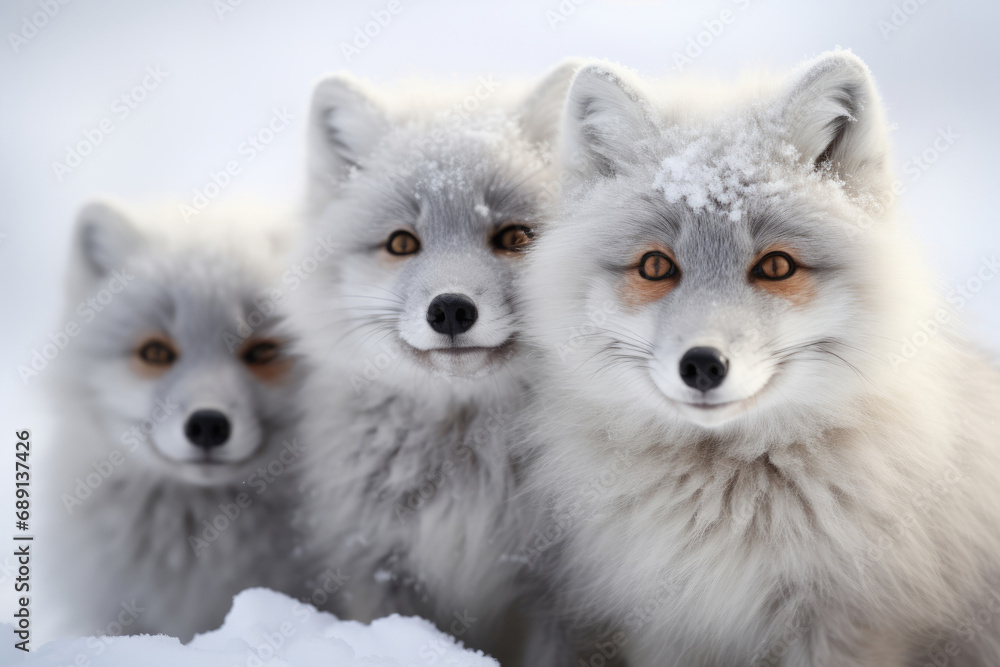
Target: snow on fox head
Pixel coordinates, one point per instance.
(432, 211)
(728, 270)
(178, 358)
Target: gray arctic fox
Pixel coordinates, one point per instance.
(414, 334)
(175, 405)
(747, 462)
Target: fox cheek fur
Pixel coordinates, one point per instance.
(729, 447)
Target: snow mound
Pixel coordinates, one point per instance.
(265, 629)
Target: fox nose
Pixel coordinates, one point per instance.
(207, 428)
(703, 368)
(451, 314)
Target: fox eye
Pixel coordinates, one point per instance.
(775, 266)
(402, 243)
(156, 352)
(656, 265)
(513, 238)
(261, 353)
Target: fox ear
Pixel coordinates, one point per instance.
(345, 124)
(542, 110)
(832, 115)
(104, 238)
(604, 120)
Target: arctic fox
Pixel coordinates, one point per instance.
(413, 334)
(746, 464)
(176, 456)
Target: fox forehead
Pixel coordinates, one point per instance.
(625, 222)
(447, 199)
(741, 184)
(726, 164)
(195, 302)
(729, 166)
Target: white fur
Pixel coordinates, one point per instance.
(842, 509)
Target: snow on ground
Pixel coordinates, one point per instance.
(264, 629)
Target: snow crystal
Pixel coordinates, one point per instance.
(720, 169)
(265, 629)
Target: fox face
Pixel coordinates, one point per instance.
(433, 214)
(179, 350)
(727, 274)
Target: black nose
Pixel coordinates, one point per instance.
(451, 314)
(703, 368)
(207, 428)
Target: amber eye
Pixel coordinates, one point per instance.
(774, 266)
(261, 353)
(513, 238)
(157, 353)
(402, 243)
(656, 266)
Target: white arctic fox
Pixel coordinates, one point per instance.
(745, 466)
(414, 333)
(174, 463)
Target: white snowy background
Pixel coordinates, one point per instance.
(227, 71)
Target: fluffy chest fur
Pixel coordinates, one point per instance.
(414, 499)
(809, 549)
(174, 552)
